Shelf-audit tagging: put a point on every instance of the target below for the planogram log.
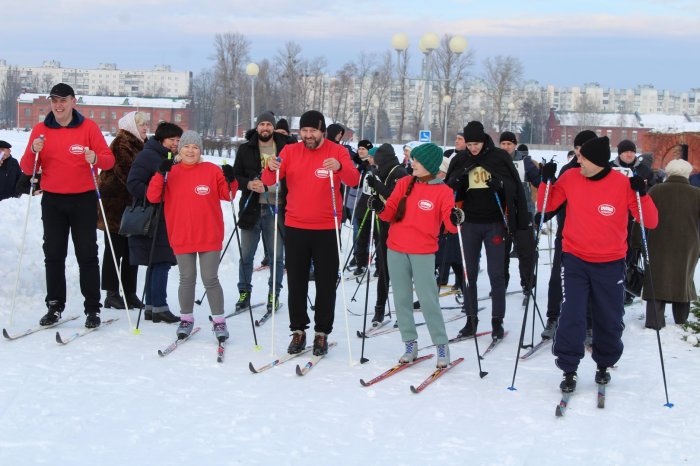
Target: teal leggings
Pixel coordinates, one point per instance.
(407, 270)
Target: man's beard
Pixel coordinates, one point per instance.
(264, 137)
(313, 144)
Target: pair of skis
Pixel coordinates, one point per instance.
(564, 402)
(59, 339)
(436, 374)
(300, 370)
(220, 349)
(380, 331)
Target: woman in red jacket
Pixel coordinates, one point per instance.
(193, 191)
(416, 208)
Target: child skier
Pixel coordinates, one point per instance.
(195, 223)
(416, 208)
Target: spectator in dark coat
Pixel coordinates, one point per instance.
(164, 142)
(9, 172)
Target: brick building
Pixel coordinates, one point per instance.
(106, 111)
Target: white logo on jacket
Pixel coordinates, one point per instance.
(322, 173)
(424, 204)
(606, 209)
(202, 189)
(77, 149)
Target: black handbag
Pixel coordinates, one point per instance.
(634, 276)
(138, 220)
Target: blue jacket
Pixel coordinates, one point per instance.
(9, 175)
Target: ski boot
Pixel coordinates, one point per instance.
(298, 342)
(320, 344)
(411, 352)
(53, 314)
(443, 356)
(568, 383)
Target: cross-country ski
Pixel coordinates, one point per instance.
(82, 333)
(38, 328)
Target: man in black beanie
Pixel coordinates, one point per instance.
(598, 199)
(311, 219)
(494, 205)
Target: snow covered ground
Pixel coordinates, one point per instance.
(109, 399)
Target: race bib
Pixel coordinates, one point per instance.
(520, 166)
(478, 177)
(624, 170)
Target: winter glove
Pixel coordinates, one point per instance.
(376, 204)
(457, 216)
(165, 166)
(549, 172)
(643, 171)
(495, 183)
(637, 184)
(371, 181)
(459, 181)
(24, 184)
(228, 173)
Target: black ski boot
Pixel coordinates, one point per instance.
(53, 314)
(497, 328)
(378, 316)
(93, 319)
(320, 344)
(113, 301)
(550, 329)
(602, 376)
(243, 300)
(568, 383)
(469, 329)
(163, 314)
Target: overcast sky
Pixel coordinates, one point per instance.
(620, 43)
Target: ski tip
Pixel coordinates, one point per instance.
(669, 405)
(558, 412)
(58, 338)
(5, 334)
(413, 389)
(363, 383)
(161, 353)
(252, 368)
(257, 323)
(299, 371)
(360, 334)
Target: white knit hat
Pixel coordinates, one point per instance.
(678, 167)
(128, 123)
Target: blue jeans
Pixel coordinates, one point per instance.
(157, 290)
(265, 227)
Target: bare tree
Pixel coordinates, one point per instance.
(9, 92)
(204, 101)
(452, 69)
(501, 78)
(588, 112)
(289, 70)
(535, 111)
(339, 93)
(230, 56)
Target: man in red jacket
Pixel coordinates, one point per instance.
(593, 258)
(65, 146)
(309, 224)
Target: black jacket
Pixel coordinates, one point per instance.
(499, 164)
(9, 175)
(142, 170)
(247, 167)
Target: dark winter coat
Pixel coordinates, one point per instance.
(247, 167)
(499, 163)
(9, 175)
(142, 170)
(674, 245)
(112, 183)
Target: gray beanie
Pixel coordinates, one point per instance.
(266, 116)
(190, 137)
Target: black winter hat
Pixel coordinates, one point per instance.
(474, 132)
(597, 150)
(508, 136)
(266, 116)
(584, 136)
(333, 130)
(384, 152)
(522, 148)
(366, 143)
(282, 124)
(61, 90)
(5, 145)
(313, 119)
(626, 145)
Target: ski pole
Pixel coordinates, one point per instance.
(340, 254)
(368, 272)
(647, 267)
(24, 231)
(503, 214)
(149, 269)
(117, 266)
(465, 291)
(527, 297)
(274, 261)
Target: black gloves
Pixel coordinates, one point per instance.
(643, 171)
(549, 172)
(376, 204)
(457, 216)
(165, 166)
(24, 184)
(638, 184)
(495, 183)
(371, 180)
(228, 173)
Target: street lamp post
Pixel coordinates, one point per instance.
(429, 42)
(511, 107)
(363, 109)
(446, 100)
(238, 107)
(375, 104)
(252, 70)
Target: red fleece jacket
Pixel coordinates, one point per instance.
(193, 195)
(596, 214)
